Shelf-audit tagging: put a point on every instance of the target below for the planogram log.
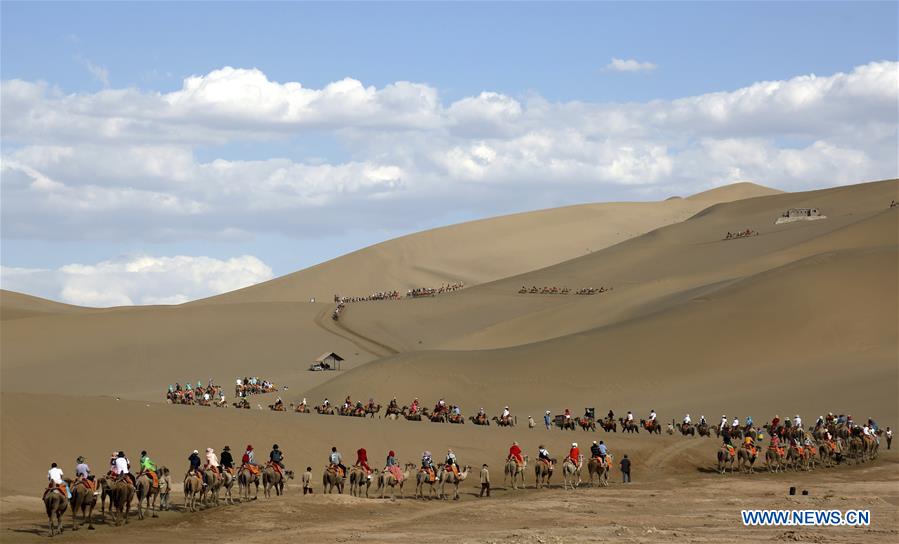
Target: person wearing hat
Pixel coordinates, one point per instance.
(227, 460)
(451, 463)
(123, 466)
(195, 463)
(276, 457)
(594, 450)
(427, 465)
(515, 453)
(797, 422)
(547, 420)
(543, 456)
(81, 468)
(574, 454)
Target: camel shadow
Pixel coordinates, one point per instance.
(707, 470)
(36, 530)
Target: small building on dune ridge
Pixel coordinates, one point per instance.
(800, 214)
(327, 361)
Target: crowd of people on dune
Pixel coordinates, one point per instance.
(214, 395)
(741, 234)
(395, 295)
(547, 290)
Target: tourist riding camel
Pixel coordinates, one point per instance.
(212, 462)
(515, 453)
(392, 466)
(652, 416)
(336, 462)
(227, 461)
(148, 467)
(414, 408)
(83, 473)
(686, 419)
(427, 466)
(195, 464)
(123, 467)
(574, 454)
(362, 461)
(450, 464)
(276, 459)
(543, 456)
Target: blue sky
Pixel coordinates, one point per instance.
(546, 65)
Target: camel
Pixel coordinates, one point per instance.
(796, 458)
(570, 470)
(56, 503)
(213, 481)
(302, 409)
(372, 409)
(325, 410)
(726, 456)
(406, 413)
(271, 478)
(595, 467)
(514, 471)
(543, 472)
(146, 491)
(568, 424)
(827, 451)
(422, 478)
(331, 481)
(228, 480)
(246, 478)
(165, 487)
(687, 429)
(388, 479)
(449, 477)
(359, 480)
(457, 419)
(774, 461)
(746, 459)
(480, 420)
(629, 426)
(703, 430)
(504, 422)
(609, 425)
(651, 426)
(121, 493)
(393, 412)
(83, 499)
(193, 486)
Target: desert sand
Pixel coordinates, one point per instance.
(801, 318)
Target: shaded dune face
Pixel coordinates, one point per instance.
(801, 318)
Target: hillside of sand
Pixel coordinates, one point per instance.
(801, 318)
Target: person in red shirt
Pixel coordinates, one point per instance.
(362, 461)
(515, 453)
(574, 453)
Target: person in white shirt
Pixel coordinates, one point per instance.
(506, 412)
(630, 416)
(687, 419)
(723, 422)
(652, 415)
(735, 423)
(797, 422)
(55, 474)
(122, 466)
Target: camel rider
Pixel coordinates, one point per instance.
(652, 416)
(819, 423)
(148, 467)
(723, 424)
(392, 403)
(54, 475)
(872, 424)
(249, 457)
(348, 402)
(611, 415)
(195, 463)
(441, 406)
(574, 454)
(362, 461)
(326, 403)
(427, 465)
(749, 421)
(279, 402)
(276, 458)
(687, 419)
(543, 455)
(515, 453)
(702, 420)
(393, 466)
(603, 451)
(457, 411)
(451, 462)
(212, 462)
(482, 414)
(336, 461)
(123, 467)
(594, 450)
(748, 442)
(725, 437)
(506, 414)
(567, 414)
(735, 424)
(227, 460)
(630, 417)
(797, 422)
(414, 408)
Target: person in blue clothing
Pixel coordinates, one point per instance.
(547, 420)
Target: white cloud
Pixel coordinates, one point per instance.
(629, 65)
(138, 279)
(121, 164)
(100, 73)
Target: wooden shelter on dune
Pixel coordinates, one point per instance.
(327, 361)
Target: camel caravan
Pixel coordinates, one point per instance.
(740, 234)
(833, 440)
(547, 290)
(214, 395)
(395, 295)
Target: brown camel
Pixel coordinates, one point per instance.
(246, 478)
(449, 477)
(571, 471)
(774, 461)
(146, 491)
(726, 456)
(83, 499)
(193, 486)
(652, 426)
(372, 410)
(587, 423)
(609, 425)
(56, 504)
(795, 459)
(480, 420)
(595, 467)
(422, 479)
(406, 413)
(331, 480)
(228, 479)
(121, 492)
(387, 479)
(359, 480)
(504, 422)
(746, 459)
(271, 478)
(543, 471)
(210, 492)
(515, 472)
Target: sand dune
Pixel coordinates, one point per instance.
(19, 306)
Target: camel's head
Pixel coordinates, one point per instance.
(289, 474)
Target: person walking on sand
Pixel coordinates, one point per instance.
(625, 470)
(485, 481)
(307, 481)
(547, 420)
